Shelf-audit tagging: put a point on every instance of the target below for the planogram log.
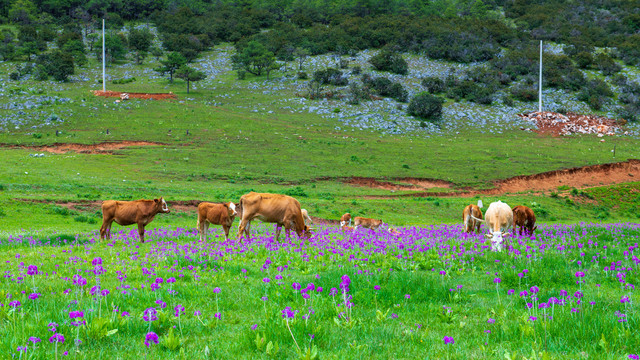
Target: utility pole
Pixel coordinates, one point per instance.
(540, 82)
(104, 80)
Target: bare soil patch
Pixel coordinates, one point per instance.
(129, 95)
(578, 177)
(101, 148)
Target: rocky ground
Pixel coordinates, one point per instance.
(31, 107)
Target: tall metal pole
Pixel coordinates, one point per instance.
(540, 82)
(104, 82)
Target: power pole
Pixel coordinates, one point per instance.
(540, 82)
(104, 80)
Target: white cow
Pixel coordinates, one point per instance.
(306, 217)
(499, 218)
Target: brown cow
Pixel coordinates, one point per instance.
(467, 217)
(282, 210)
(525, 218)
(344, 219)
(124, 213)
(366, 222)
(217, 214)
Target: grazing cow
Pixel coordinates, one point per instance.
(124, 213)
(217, 214)
(499, 218)
(273, 208)
(344, 219)
(306, 217)
(525, 218)
(366, 222)
(467, 217)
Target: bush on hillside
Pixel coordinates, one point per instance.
(425, 106)
(330, 76)
(385, 87)
(434, 85)
(386, 60)
(595, 93)
(607, 65)
(524, 92)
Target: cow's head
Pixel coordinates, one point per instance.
(161, 205)
(231, 207)
(496, 239)
(307, 232)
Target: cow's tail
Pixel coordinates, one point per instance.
(481, 220)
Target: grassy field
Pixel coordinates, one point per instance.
(335, 296)
(434, 282)
(241, 139)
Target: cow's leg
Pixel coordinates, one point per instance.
(278, 229)
(226, 231)
(243, 227)
(247, 230)
(201, 229)
(141, 232)
(105, 229)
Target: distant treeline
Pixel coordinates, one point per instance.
(604, 23)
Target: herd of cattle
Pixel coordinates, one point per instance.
(285, 211)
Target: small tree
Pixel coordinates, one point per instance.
(174, 61)
(302, 54)
(254, 59)
(157, 52)
(139, 43)
(57, 64)
(190, 74)
(114, 47)
(426, 106)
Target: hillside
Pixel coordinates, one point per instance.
(314, 123)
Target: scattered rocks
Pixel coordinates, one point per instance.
(557, 124)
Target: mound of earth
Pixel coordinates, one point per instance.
(557, 124)
(578, 177)
(102, 148)
(129, 95)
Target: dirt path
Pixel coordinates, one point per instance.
(101, 148)
(400, 184)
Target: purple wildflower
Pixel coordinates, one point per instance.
(151, 338)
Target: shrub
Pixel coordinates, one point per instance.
(302, 75)
(595, 93)
(296, 191)
(357, 93)
(434, 85)
(15, 76)
(508, 101)
(607, 65)
(583, 59)
(629, 112)
(330, 76)
(124, 80)
(385, 87)
(524, 93)
(386, 60)
(426, 106)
